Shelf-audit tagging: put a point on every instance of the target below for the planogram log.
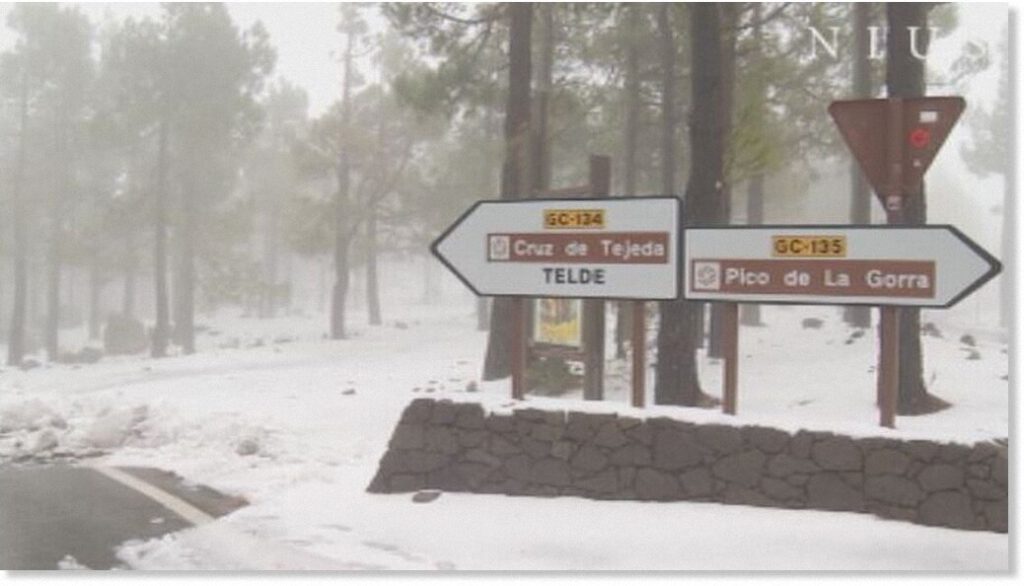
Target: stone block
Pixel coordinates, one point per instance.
(481, 457)
(444, 413)
(826, 490)
(590, 458)
(530, 414)
(800, 445)
(947, 509)
(938, 477)
(982, 451)
(418, 411)
(893, 490)
(722, 439)
(744, 468)
(837, 453)
(470, 416)
(517, 467)
(922, 450)
(641, 433)
(502, 447)
(886, 461)
(406, 483)
(535, 448)
(651, 484)
(781, 490)
(985, 490)
(610, 436)
(500, 423)
(999, 470)
(606, 482)
(675, 450)
(697, 483)
(996, 518)
(629, 422)
(784, 465)
(440, 439)
(562, 450)
(550, 472)
(472, 438)
(547, 433)
(632, 455)
(766, 439)
(407, 436)
(952, 453)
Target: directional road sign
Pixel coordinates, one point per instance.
(612, 248)
(921, 266)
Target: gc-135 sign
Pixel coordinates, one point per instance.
(923, 266)
(612, 248)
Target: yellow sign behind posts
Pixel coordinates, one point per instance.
(813, 246)
(574, 219)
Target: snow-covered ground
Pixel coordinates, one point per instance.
(296, 424)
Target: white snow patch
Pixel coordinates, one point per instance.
(297, 428)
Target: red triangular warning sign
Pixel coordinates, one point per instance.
(924, 125)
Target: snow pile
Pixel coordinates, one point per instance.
(297, 428)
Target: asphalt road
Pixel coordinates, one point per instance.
(49, 513)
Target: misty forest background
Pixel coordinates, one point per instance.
(153, 168)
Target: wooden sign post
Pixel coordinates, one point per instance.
(895, 140)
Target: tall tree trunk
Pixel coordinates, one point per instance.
(631, 135)
(95, 290)
(514, 181)
(130, 265)
(54, 238)
(859, 316)
(271, 237)
(342, 222)
(372, 281)
(542, 145)
(1007, 252)
(184, 282)
(676, 372)
(16, 339)
(905, 78)
(750, 313)
(730, 17)
(161, 330)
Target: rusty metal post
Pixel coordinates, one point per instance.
(730, 352)
(639, 344)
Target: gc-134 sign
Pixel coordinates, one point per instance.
(922, 266)
(612, 248)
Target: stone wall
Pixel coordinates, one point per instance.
(457, 447)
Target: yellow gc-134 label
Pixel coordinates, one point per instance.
(573, 219)
(809, 246)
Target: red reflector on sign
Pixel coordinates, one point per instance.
(920, 137)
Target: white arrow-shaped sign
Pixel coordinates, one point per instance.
(612, 248)
(922, 266)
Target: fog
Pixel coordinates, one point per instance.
(160, 163)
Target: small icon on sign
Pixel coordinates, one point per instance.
(498, 248)
(707, 276)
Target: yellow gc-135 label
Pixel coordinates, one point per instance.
(809, 246)
(573, 219)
